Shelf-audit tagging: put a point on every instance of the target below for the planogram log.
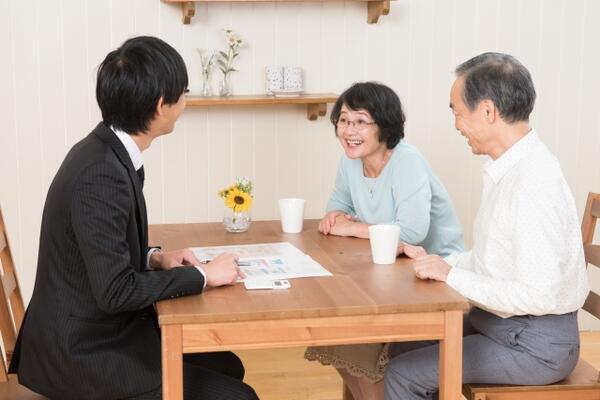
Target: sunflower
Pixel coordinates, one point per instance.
(238, 200)
(223, 193)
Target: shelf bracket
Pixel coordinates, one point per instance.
(188, 10)
(377, 9)
(315, 110)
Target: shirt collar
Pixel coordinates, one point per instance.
(496, 169)
(132, 148)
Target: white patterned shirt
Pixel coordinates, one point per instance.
(527, 255)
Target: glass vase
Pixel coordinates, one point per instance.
(236, 221)
(206, 89)
(225, 88)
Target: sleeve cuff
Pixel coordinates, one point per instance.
(150, 252)
(342, 208)
(452, 259)
(460, 260)
(459, 280)
(203, 274)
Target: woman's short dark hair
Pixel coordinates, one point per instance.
(502, 79)
(381, 102)
(132, 79)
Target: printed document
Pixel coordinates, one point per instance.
(268, 261)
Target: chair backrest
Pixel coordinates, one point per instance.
(11, 302)
(592, 251)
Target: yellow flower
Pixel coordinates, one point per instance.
(223, 193)
(238, 200)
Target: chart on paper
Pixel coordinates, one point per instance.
(265, 261)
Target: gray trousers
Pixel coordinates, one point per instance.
(523, 350)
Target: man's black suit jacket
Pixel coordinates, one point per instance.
(90, 330)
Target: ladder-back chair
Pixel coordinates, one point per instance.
(11, 317)
(584, 382)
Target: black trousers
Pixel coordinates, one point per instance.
(210, 376)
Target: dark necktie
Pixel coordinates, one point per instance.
(141, 175)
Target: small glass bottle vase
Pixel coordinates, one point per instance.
(206, 89)
(225, 88)
(236, 221)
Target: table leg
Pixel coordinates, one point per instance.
(172, 362)
(451, 357)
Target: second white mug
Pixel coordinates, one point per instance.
(292, 214)
(292, 78)
(384, 243)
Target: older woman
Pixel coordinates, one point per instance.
(381, 179)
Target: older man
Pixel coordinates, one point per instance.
(525, 274)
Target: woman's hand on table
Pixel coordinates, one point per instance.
(411, 251)
(329, 220)
(344, 226)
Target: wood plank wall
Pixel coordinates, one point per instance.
(50, 51)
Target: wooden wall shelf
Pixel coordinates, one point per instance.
(375, 8)
(316, 104)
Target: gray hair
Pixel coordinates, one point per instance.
(502, 79)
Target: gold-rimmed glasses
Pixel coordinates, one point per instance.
(358, 125)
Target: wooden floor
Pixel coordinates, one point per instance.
(284, 374)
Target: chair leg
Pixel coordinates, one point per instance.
(347, 394)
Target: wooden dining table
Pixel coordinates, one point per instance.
(361, 303)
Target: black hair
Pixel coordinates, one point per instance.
(132, 79)
(502, 79)
(381, 102)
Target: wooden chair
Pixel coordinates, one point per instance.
(584, 381)
(11, 317)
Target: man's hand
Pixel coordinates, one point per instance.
(431, 267)
(426, 266)
(172, 259)
(411, 251)
(222, 270)
(329, 220)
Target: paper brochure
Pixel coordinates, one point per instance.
(267, 261)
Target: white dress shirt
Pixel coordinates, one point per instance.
(527, 255)
(132, 148)
(138, 162)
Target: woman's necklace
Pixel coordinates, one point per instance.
(372, 182)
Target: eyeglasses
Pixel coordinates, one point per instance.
(359, 124)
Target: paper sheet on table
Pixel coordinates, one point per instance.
(268, 261)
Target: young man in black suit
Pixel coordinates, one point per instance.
(90, 331)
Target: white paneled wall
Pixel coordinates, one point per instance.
(47, 95)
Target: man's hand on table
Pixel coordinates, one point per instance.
(171, 259)
(426, 266)
(222, 270)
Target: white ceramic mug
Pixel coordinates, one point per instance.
(292, 78)
(384, 243)
(292, 214)
(273, 79)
